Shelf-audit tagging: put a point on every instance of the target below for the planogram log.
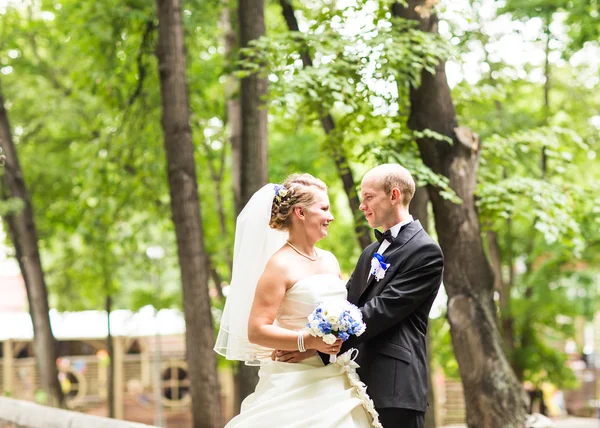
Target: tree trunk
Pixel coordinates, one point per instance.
(181, 168)
(217, 280)
(361, 229)
(527, 334)
(493, 395)
(547, 85)
(252, 161)
(110, 387)
(418, 209)
(106, 278)
(245, 380)
(504, 291)
(216, 176)
(21, 227)
(233, 109)
(254, 107)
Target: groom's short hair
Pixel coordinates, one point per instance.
(394, 175)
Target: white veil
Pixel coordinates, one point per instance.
(255, 243)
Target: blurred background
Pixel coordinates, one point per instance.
(133, 132)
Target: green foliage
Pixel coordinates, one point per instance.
(84, 101)
(361, 78)
(541, 214)
(583, 24)
(347, 67)
(580, 17)
(11, 206)
(442, 353)
(509, 188)
(397, 144)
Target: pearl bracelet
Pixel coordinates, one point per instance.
(301, 347)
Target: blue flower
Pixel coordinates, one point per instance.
(378, 266)
(280, 191)
(354, 327)
(379, 258)
(325, 327)
(343, 335)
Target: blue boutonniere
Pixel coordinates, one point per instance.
(378, 266)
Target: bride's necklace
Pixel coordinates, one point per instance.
(311, 258)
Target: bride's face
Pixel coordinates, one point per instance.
(317, 216)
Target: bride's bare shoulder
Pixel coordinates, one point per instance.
(330, 259)
(279, 264)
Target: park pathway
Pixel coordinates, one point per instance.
(560, 423)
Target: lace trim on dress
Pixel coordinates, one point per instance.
(348, 365)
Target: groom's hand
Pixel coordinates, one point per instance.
(292, 356)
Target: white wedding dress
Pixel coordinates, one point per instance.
(306, 394)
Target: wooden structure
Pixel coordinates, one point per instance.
(83, 364)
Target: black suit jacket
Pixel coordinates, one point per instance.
(392, 351)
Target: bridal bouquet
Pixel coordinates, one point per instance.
(334, 319)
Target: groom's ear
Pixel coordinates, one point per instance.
(395, 195)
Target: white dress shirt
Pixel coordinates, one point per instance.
(394, 231)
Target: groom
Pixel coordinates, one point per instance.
(392, 351)
(395, 302)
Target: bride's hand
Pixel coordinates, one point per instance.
(317, 343)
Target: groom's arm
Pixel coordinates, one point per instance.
(354, 276)
(402, 295)
(349, 282)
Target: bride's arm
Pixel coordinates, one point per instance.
(268, 297)
(297, 356)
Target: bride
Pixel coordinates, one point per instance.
(279, 277)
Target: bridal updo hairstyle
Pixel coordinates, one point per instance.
(298, 191)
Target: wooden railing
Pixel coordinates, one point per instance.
(25, 414)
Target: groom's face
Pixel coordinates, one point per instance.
(376, 204)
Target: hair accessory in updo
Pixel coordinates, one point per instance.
(280, 191)
(296, 190)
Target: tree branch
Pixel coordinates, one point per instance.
(150, 27)
(337, 152)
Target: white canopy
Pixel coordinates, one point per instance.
(93, 324)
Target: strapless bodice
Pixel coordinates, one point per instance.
(304, 296)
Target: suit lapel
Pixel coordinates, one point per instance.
(362, 272)
(403, 237)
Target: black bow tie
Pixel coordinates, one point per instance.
(387, 235)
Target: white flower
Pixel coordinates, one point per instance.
(355, 312)
(314, 324)
(329, 339)
(331, 318)
(378, 267)
(335, 326)
(333, 311)
(360, 330)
